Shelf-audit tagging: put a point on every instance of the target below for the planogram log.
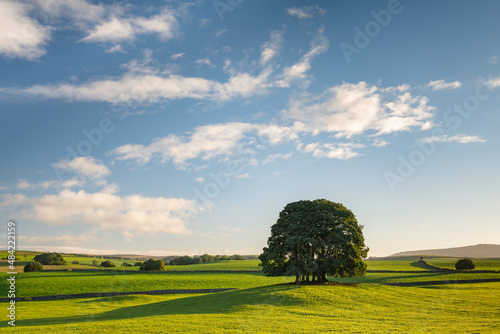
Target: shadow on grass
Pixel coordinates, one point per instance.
(384, 278)
(216, 303)
(417, 264)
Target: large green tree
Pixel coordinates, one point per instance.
(315, 239)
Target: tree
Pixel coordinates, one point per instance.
(138, 264)
(33, 266)
(95, 263)
(153, 265)
(107, 264)
(75, 262)
(315, 238)
(50, 259)
(465, 264)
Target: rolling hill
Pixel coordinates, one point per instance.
(476, 251)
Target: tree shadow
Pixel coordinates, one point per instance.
(215, 303)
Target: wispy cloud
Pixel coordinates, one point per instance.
(340, 151)
(305, 12)
(177, 55)
(272, 157)
(87, 167)
(272, 47)
(441, 84)
(462, 139)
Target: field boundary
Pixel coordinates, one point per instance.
(434, 268)
(121, 293)
(461, 281)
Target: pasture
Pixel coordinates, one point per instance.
(260, 304)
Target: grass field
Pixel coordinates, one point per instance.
(259, 305)
(276, 309)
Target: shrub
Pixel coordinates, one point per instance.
(33, 266)
(465, 264)
(95, 263)
(138, 264)
(107, 264)
(153, 265)
(126, 264)
(76, 262)
(50, 259)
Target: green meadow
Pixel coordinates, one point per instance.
(259, 304)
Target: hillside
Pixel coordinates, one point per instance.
(476, 251)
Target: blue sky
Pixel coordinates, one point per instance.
(185, 128)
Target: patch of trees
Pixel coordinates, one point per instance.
(75, 262)
(465, 264)
(315, 239)
(95, 263)
(138, 264)
(153, 265)
(107, 264)
(50, 259)
(33, 266)
(184, 260)
(126, 264)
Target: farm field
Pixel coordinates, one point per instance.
(260, 304)
(365, 308)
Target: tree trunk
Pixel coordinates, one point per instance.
(297, 279)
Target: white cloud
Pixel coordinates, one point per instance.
(342, 151)
(305, 12)
(66, 238)
(220, 33)
(298, 71)
(177, 55)
(119, 29)
(87, 167)
(271, 48)
(131, 215)
(353, 109)
(243, 176)
(24, 184)
(441, 84)
(273, 157)
(20, 35)
(379, 142)
(493, 83)
(205, 61)
(206, 142)
(200, 179)
(462, 139)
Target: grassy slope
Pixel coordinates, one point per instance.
(276, 309)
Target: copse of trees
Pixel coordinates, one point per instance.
(75, 262)
(465, 264)
(153, 265)
(315, 238)
(33, 266)
(138, 264)
(107, 264)
(50, 259)
(184, 260)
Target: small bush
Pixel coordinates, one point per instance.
(107, 264)
(95, 263)
(76, 262)
(153, 265)
(138, 264)
(126, 264)
(465, 264)
(33, 266)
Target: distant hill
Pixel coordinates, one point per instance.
(481, 250)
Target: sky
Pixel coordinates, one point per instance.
(173, 127)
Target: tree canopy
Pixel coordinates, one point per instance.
(33, 266)
(50, 259)
(465, 264)
(153, 265)
(315, 238)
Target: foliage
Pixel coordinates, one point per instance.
(75, 262)
(205, 258)
(107, 264)
(153, 265)
(126, 264)
(50, 259)
(315, 238)
(95, 263)
(33, 266)
(138, 264)
(465, 264)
